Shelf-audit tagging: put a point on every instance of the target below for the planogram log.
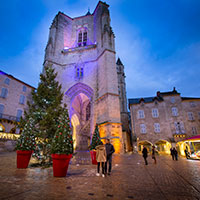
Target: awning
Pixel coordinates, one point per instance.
(194, 138)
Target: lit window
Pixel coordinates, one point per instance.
(140, 114)
(22, 99)
(24, 88)
(7, 81)
(82, 38)
(155, 113)
(194, 131)
(19, 114)
(174, 111)
(157, 127)
(143, 128)
(172, 100)
(4, 92)
(190, 116)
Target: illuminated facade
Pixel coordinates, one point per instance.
(14, 95)
(164, 119)
(82, 52)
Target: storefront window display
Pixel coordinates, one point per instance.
(190, 147)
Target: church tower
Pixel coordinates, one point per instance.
(82, 52)
(126, 132)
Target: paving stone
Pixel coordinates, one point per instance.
(130, 179)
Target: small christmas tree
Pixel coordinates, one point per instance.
(95, 138)
(62, 142)
(26, 141)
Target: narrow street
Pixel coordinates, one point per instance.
(130, 179)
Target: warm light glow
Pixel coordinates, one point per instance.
(75, 123)
(9, 136)
(113, 133)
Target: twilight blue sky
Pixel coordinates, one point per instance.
(158, 41)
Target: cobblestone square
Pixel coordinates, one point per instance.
(130, 179)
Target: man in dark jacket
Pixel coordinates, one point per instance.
(145, 154)
(109, 151)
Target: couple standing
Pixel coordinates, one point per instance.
(145, 154)
(104, 155)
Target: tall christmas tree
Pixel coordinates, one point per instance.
(45, 108)
(95, 138)
(62, 142)
(26, 141)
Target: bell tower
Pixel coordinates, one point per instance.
(82, 52)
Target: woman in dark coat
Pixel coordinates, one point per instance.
(145, 154)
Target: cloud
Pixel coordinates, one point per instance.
(147, 73)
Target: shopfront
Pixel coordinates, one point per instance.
(190, 146)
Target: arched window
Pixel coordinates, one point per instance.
(85, 38)
(82, 38)
(79, 72)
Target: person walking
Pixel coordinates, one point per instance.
(145, 154)
(172, 153)
(101, 158)
(109, 151)
(153, 154)
(187, 153)
(175, 153)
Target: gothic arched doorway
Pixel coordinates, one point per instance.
(145, 143)
(163, 146)
(80, 97)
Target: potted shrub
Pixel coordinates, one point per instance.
(62, 146)
(25, 145)
(95, 142)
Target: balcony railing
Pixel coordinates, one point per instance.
(9, 117)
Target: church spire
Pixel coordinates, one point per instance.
(119, 62)
(88, 13)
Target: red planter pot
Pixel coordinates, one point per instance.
(93, 156)
(60, 164)
(23, 158)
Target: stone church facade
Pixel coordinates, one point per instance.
(82, 52)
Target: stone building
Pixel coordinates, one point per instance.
(82, 52)
(14, 95)
(164, 119)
